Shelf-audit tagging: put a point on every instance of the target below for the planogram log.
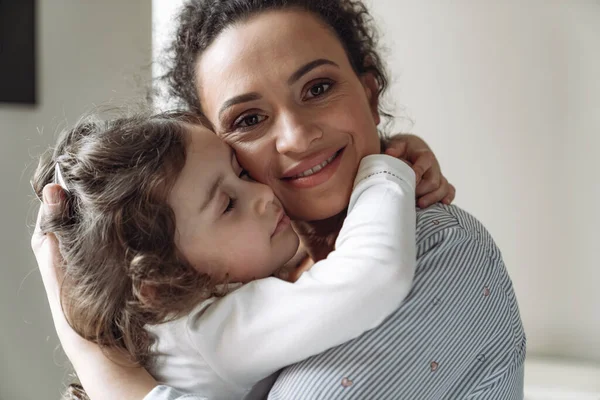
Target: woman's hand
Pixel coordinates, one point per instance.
(432, 186)
(47, 254)
(104, 373)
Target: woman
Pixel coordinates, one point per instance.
(294, 87)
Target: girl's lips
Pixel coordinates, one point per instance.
(319, 177)
(282, 224)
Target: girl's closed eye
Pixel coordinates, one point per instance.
(232, 202)
(230, 205)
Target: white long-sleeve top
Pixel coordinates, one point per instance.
(227, 345)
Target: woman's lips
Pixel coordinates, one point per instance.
(317, 178)
(308, 163)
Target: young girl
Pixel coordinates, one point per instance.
(170, 251)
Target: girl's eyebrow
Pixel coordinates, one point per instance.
(212, 192)
(216, 183)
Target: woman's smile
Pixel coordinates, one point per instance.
(319, 173)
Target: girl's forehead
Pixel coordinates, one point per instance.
(202, 139)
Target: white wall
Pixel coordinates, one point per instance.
(164, 13)
(508, 95)
(89, 52)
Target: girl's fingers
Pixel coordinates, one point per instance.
(422, 163)
(430, 182)
(435, 196)
(450, 197)
(396, 149)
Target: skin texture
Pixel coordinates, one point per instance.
(228, 226)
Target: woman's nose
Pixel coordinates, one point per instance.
(296, 133)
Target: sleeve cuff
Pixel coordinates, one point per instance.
(378, 164)
(162, 392)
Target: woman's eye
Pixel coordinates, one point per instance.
(230, 206)
(318, 89)
(249, 120)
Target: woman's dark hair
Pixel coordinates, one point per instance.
(116, 231)
(201, 21)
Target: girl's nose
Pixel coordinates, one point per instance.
(262, 197)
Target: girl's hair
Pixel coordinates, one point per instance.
(116, 232)
(201, 21)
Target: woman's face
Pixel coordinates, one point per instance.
(279, 88)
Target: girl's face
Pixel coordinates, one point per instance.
(227, 225)
(280, 90)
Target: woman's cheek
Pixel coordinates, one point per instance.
(253, 158)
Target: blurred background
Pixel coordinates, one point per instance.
(506, 93)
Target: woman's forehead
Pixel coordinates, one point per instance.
(287, 28)
(271, 44)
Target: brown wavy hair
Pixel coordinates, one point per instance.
(201, 21)
(116, 231)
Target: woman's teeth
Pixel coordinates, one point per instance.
(316, 168)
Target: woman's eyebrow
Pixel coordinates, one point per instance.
(242, 98)
(305, 69)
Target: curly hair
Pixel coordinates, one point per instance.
(116, 231)
(201, 21)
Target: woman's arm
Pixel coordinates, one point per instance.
(103, 374)
(268, 324)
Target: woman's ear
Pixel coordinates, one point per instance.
(371, 87)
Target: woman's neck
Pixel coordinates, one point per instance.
(318, 237)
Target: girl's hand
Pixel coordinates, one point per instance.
(432, 186)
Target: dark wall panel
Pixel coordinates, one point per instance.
(17, 51)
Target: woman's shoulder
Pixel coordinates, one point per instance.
(447, 224)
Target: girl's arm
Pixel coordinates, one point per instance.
(268, 324)
(432, 185)
(103, 374)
